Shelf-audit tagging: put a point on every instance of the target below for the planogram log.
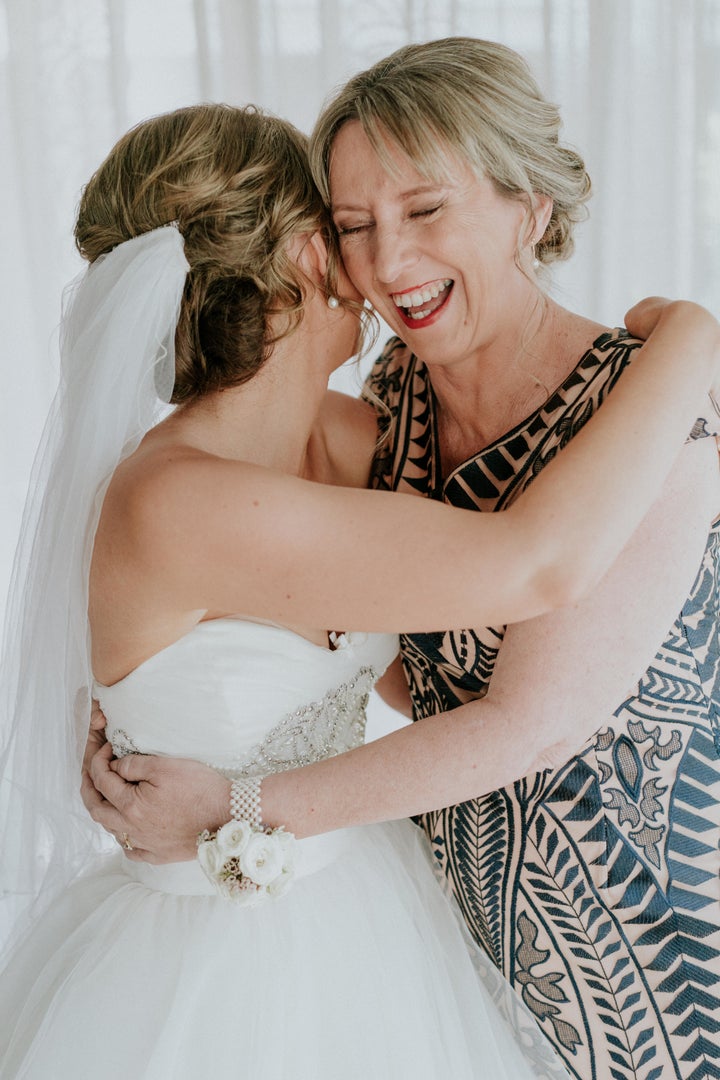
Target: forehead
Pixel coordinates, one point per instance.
(357, 166)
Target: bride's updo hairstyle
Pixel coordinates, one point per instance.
(478, 100)
(236, 182)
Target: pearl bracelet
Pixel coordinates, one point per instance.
(245, 801)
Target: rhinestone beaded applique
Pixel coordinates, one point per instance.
(122, 744)
(314, 732)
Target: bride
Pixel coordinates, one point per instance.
(212, 565)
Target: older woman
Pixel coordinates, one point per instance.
(593, 882)
(593, 885)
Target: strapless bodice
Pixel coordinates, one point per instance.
(249, 698)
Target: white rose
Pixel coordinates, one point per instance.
(286, 843)
(233, 838)
(285, 840)
(262, 860)
(210, 858)
(282, 883)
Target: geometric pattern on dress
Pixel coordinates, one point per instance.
(595, 887)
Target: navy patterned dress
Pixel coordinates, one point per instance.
(595, 888)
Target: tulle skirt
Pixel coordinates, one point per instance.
(360, 972)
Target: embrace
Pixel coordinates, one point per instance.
(227, 577)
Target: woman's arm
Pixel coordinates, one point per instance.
(343, 442)
(272, 546)
(557, 679)
(394, 690)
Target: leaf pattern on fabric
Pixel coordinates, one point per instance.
(595, 888)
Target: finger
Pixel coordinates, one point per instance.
(642, 317)
(114, 790)
(147, 855)
(101, 759)
(88, 793)
(95, 740)
(97, 717)
(134, 854)
(110, 819)
(113, 787)
(142, 855)
(134, 768)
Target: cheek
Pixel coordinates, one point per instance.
(347, 286)
(358, 265)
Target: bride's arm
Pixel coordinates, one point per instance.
(531, 708)
(276, 547)
(557, 680)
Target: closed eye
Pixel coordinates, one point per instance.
(351, 230)
(354, 230)
(428, 212)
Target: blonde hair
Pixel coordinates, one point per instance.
(238, 184)
(476, 99)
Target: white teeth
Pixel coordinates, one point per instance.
(421, 296)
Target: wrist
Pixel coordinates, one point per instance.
(217, 811)
(245, 860)
(271, 804)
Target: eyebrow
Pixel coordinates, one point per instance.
(423, 189)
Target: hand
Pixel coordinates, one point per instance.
(160, 804)
(642, 319)
(644, 316)
(95, 740)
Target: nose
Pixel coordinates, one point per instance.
(393, 254)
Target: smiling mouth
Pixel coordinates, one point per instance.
(418, 304)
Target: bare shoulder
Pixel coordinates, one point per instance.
(343, 441)
(173, 482)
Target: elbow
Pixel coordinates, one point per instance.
(565, 584)
(579, 586)
(551, 759)
(554, 757)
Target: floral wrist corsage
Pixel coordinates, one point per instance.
(246, 861)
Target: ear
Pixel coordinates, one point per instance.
(311, 254)
(542, 208)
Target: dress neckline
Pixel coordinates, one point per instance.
(573, 380)
(344, 641)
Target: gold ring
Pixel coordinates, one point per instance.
(125, 839)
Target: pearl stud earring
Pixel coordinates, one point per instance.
(333, 302)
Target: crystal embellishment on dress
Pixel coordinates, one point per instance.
(122, 744)
(309, 734)
(346, 640)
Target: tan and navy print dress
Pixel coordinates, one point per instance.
(595, 887)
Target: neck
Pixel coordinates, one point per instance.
(502, 383)
(267, 421)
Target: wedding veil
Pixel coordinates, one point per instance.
(117, 369)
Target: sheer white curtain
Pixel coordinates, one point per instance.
(638, 82)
